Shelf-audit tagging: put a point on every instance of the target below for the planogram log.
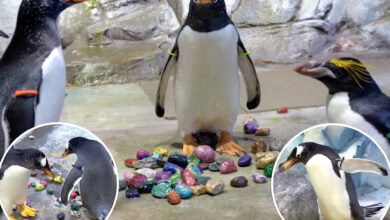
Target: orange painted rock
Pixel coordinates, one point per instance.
(173, 198)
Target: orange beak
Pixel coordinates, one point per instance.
(203, 2)
(48, 172)
(300, 70)
(287, 164)
(65, 154)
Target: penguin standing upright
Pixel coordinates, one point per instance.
(32, 70)
(332, 183)
(206, 60)
(14, 176)
(97, 175)
(354, 97)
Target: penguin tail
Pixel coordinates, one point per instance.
(372, 210)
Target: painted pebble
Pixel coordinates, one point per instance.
(122, 185)
(130, 162)
(194, 170)
(161, 190)
(39, 187)
(173, 198)
(57, 204)
(73, 195)
(162, 175)
(282, 110)
(141, 154)
(160, 150)
(205, 153)
(215, 186)
(188, 178)
(137, 180)
(178, 159)
(184, 191)
(75, 214)
(250, 125)
(257, 178)
(202, 180)
(58, 179)
(194, 160)
(263, 132)
(148, 162)
(33, 173)
(214, 167)
(174, 178)
(149, 173)
(49, 191)
(265, 158)
(227, 166)
(198, 190)
(61, 216)
(75, 206)
(259, 146)
(240, 181)
(171, 167)
(147, 186)
(132, 193)
(245, 160)
(268, 170)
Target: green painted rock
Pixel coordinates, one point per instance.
(268, 170)
(49, 191)
(175, 177)
(161, 190)
(39, 187)
(194, 160)
(214, 167)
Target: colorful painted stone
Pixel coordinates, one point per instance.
(257, 178)
(162, 176)
(160, 150)
(227, 166)
(129, 162)
(43, 183)
(57, 204)
(239, 181)
(194, 160)
(205, 153)
(265, 158)
(33, 173)
(214, 167)
(132, 193)
(39, 187)
(276, 145)
(184, 191)
(141, 154)
(170, 167)
(204, 166)
(263, 132)
(245, 160)
(29, 186)
(162, 189)
(149, 173)
(127, 176)
(49, 191)
(188, 179)
(75, 206)
(73, 195)
(58, 179)
(78, 198)
(178, 159)
(250, 125)
(173, 197)
(61, 216)
(157, 156)
(200, 168)
(215, 186)
(174, 178)
(137, 180)
(148, 162)
(268, 170)
(198, 190)
(79, 203)
(202, 180)
(259, 146)
(194, 170)
(147, 186)
(282, 110)
(75, 214)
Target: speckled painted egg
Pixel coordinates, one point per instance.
(205, 153)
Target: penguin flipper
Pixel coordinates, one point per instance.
(249, 73)
(372, 210)
(170, 67)
(70, 181)
(2, 34)
(356, 165)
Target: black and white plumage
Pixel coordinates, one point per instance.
(32, 61)
(205, 61)
(96, 175)
(332, 183)
(354, 97)
(2, 34)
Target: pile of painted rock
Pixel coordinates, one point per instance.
(182, 177)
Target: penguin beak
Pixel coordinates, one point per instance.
(65, 154)
(284, 166)
(203, 2)
(48, 172)
(315, 70)
(305, 70)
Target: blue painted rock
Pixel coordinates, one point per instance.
(227, 166)
(257, 178)
(132, 193)
(75, 206)
(215, 186)
(178, 159)
(162, 189)
(202, 180)
(184, 191)
(205, 153)
(162, 176)
(240, 181)
(214, 167)
(194, 170)
(61, 216)
(147, 187)
(141, 154)
(244, 160)
(172, 167)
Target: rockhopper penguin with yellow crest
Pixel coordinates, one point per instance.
(354, 97)
(32, 70)
(206, 60)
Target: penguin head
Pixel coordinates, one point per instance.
(207, 9)
(33, 159)
(46, 8)
(72, 145)
(301, 154)
(340, 74)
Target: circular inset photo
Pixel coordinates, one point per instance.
(331, 172)
(58, 171)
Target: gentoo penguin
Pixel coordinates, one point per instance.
(96, 174)
(354, 97)
(32, 70)
(332, 183)
(14, 176)
(206, 60)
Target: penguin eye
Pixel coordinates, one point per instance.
(215, 1)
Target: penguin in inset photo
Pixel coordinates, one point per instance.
(354, 97)
(96, 175)
(332, 183)
(14, 176)
(32, 70)
(206, 60)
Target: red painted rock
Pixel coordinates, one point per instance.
(173, 198)
(141, 154)
(129, 162)
(228, 166)
(188, 179)
(137, 180)
(205, 153)
(283, 110)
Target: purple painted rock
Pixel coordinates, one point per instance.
(227, 166)
(137, 180)
(250, 125)
(245, 160)
(257, 178)
(205, 153)
(240, 181)
(164, 175)
(141, 154)
(172, 167)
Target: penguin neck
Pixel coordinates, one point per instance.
(352, 88)
(199, 23)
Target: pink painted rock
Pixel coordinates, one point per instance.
(141, 154)
(228, 166)
(43, 183)
(137, 180)
(73, 195)
(188, 179)
(127, 176)
(205, 153)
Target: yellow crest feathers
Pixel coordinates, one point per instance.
(357, 70)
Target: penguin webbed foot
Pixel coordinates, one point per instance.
(26, 211)
(11, 217)
(189, 144)
(227, 145)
